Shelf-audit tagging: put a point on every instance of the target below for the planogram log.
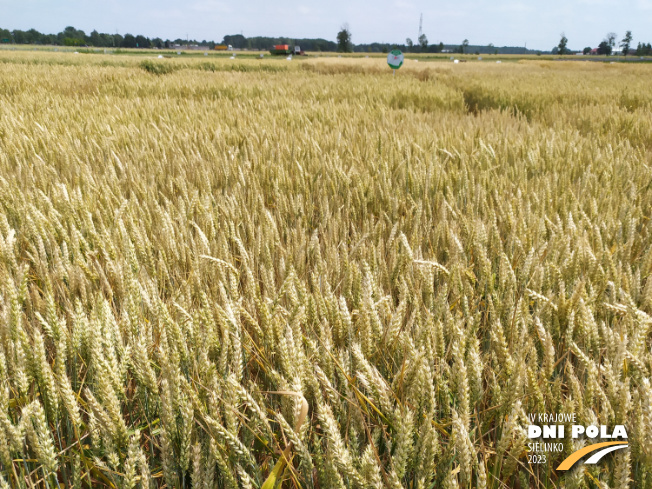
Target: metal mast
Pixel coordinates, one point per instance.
(420, 27)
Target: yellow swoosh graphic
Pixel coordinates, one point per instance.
(575, 456)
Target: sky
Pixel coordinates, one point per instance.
(503, 23)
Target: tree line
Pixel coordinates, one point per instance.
(607, 46)
(77, 37)
(238, 41)
(71, 36)
(344, 44)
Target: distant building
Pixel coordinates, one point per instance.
(194, 47)
(614, 51)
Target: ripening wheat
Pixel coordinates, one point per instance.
(318, 275)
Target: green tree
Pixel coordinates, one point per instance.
(107, 40)
(344, 39)
(643, 50)
(626, 42)
(409, 44)
(423, 42)
(563, 42)
(19, 37)
(465, 44)
(142, 42)
(72, 33)
(5, 36)
(129, 41)
(34, 36)
(610, 39)
(238, 41)
(604, 48)
(95, 38)
(586, 50)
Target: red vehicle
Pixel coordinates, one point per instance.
(281, 49)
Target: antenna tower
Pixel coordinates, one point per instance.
(420, 27)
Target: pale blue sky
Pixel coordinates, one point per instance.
(509, 22)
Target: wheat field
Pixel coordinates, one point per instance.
(313, 274)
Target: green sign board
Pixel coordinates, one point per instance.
(395, 59)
